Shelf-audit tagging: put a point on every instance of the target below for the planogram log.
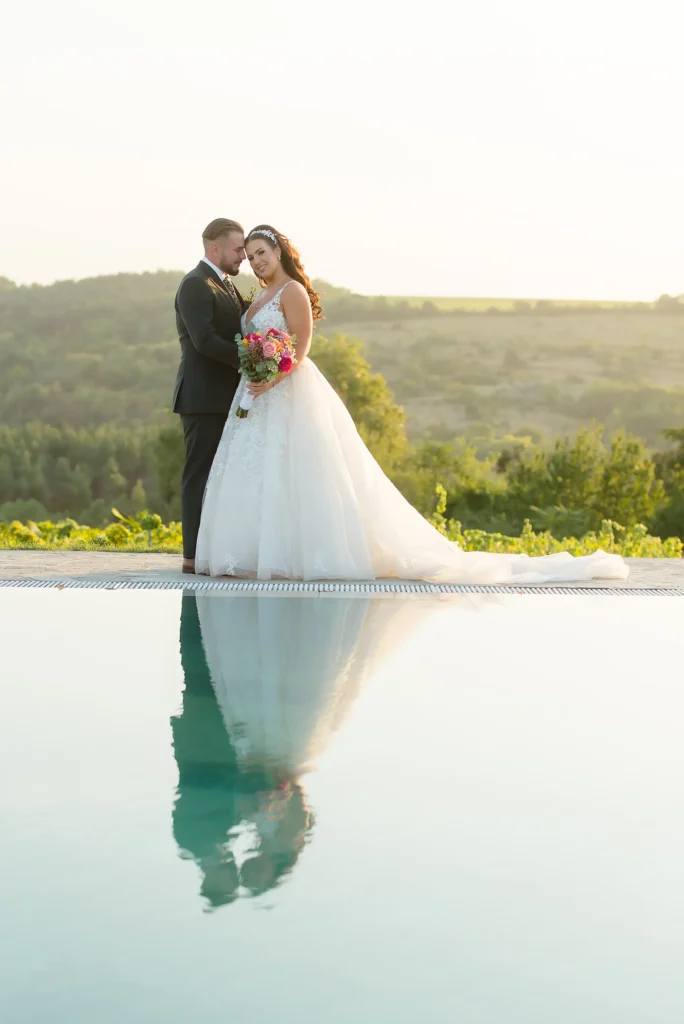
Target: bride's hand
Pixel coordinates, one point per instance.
(260, 389)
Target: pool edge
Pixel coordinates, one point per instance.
(322, 588)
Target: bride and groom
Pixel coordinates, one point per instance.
(291, 491)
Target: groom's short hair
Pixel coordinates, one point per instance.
(221, 226)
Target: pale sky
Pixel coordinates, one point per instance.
(491, 148)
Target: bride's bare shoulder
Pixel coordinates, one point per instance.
(294, 295)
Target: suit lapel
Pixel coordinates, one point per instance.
(211, 275)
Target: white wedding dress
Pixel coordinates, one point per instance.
(287, 671)
(295, 494)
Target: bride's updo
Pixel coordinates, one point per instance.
(291, 261)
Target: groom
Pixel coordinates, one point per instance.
(208, 312)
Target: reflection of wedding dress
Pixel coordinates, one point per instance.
(267, 681)
(294, 493)
(286, 670)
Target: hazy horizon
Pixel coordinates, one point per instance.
(338, 284)
(526, 152)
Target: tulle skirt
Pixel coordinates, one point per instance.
(286, 671)
(295, 494)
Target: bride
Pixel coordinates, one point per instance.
(294, 493)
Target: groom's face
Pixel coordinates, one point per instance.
(229, 252)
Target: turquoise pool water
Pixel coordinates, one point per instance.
(336, 809)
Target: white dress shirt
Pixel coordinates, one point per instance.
(219, 273)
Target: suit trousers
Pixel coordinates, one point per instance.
(202, 434)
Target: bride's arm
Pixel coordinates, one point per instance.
(296, 308)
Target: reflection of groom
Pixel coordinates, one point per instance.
(205, 810)
(208, 312)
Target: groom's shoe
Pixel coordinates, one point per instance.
(189, 567)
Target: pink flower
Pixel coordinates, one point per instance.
(269, 349)
(273, 332)
(285, 364)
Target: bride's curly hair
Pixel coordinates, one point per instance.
(291, 261)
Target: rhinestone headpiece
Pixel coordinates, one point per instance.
(263, 231)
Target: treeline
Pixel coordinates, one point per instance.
(104, 350)
(568, 488)
(89, 352)
(363, 308)
(87, 370)
(48, 471)
(62, 471)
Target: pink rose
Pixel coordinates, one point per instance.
(269, 349)
(285, 364)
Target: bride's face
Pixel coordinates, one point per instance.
(263, 258)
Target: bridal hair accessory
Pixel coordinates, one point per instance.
(263, 231)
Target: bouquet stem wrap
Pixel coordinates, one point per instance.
(246, 403)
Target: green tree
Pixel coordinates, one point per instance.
(379, 420)
(23, 510)
(581, 476)
(168, 455)
(669, 520)
(116, 482)
(139, 499)
(6, 478)
(568, 476)
(630, 491)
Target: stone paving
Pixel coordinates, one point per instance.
(111, 567)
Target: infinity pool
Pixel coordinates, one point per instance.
(341, 809)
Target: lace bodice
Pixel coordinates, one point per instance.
(269, 315)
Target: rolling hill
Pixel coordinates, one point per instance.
(104, 350)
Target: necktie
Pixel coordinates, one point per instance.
(232, 292)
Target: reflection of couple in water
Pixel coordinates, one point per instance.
(267, 681)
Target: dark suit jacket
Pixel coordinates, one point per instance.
(207, 319)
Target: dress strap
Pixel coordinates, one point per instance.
(254, 309)
(278, 294)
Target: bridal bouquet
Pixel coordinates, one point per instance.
(262, 359)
